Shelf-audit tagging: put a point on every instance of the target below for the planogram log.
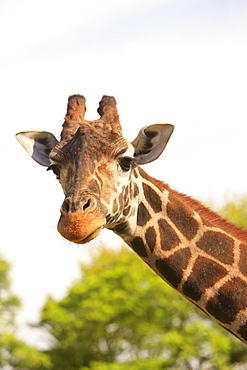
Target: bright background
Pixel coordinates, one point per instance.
(177, 61)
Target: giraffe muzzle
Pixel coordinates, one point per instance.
(80, 222)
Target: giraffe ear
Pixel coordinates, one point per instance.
(151, 141)
(38, 145)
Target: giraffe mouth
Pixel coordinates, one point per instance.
(91, 236)
(79, 228)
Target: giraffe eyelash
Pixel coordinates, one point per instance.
(55, 169)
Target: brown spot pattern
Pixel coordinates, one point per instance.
(243, 331)
(139, 247)
(172, 268)
(120, 200)
(243, 259)
(143, 215)
(126, 211)
(126, 196)
(135, 173)
(231, 298)
(152, 198)
(136, 190)
(205, 273)
(182, 217)
(218, 245)
(115, 206)
(150, 236)
(168, 237)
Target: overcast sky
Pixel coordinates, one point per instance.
(177, 61)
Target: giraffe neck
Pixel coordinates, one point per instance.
(190, 247)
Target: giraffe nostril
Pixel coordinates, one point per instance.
(89, 204)
(69, 205)
(86, 205)
(65, 206)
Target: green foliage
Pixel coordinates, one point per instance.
(149, 364)
(120, 313)
(8, 302)
(235, 211)
(14, 354)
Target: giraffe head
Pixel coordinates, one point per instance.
(95, 166)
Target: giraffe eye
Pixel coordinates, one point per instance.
(125, 163)
(55, 169)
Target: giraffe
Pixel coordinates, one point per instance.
(198, 253)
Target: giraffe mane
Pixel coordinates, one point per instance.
(209, 215)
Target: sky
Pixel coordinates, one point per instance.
(176, 61)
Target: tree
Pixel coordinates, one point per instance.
(119, 312)
(14, 353)
(8, 302)
(235, 211)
